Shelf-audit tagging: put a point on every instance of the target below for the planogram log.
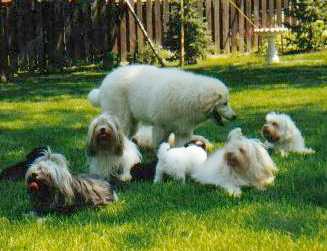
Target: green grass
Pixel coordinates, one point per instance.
(291, 215)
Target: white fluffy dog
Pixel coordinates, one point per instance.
(178, 162)
(282, 134)
(171, 100)
(241, 162)
(109, 151)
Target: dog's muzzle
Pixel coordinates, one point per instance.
(219, 119)
(269, 135)
(104, 136)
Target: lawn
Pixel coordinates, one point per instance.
(292, 215)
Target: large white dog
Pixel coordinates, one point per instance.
(170, 100)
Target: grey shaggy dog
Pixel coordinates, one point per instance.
(52, 188)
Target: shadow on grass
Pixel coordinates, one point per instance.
(236, 77)
(43, 87)
(240, 77)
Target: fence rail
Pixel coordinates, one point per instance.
(59, 32)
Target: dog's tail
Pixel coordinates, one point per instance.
(94, 98)
(165, 146)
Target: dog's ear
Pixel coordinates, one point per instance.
(209, 102)
(119, 146)
(90, 141)
(264, 159)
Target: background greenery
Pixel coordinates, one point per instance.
(292, 215)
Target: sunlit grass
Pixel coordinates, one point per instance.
(53, 110)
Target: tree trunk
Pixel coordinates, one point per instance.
(4, 67)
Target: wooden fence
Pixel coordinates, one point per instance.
(63, 32)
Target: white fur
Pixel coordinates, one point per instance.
(290, 137)
(178, 162)
(258, 170)
(107, 163)
(171, 100)
(143, 137)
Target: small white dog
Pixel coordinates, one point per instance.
(109, 151)
(143, 138)
(282, 134)
(241, 162)
(178, 162)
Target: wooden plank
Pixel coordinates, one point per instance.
(225, 23)
(123, 43)
(157, 22)
(140, 37)
(241, 27)
(263, 13)
(271, 13)
(279, 12)
(216, 5)
(165, 15)
(131, 31)
(149, 18)
(233, 19)
(249, 27)
(256, 21)
(209, 15)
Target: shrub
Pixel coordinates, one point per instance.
(197, 39)
(311, 29)
(146, 55)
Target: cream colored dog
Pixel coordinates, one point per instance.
(171, 100)
(241, 162)
(282, 134)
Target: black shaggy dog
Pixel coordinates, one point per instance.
(17, 171)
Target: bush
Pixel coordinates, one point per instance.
(197, 39)
(146, 55)
(310, 32)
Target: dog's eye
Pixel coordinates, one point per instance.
(225, 104)
(242, 150)
(274, 124)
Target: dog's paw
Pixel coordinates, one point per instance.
(234, 192)
(284, 154)
(126, 177)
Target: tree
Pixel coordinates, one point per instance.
(197, 41)
(310, 25)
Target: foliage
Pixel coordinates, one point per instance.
(310, 32)
(146, 55)
(197, 39)
(110, 60)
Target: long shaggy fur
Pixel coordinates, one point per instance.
(241, 162)
(178, 162)
(52, 187)
(170, 99)
(109, 151)
(282, 134)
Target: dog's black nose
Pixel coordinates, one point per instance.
(34, 175)
(103, 130)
